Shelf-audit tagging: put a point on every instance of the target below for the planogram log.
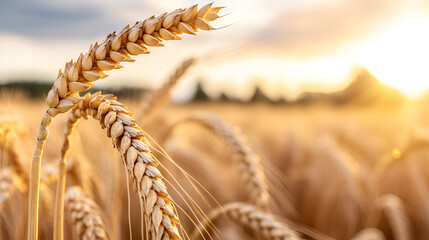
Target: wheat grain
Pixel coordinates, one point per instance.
(159, 97)
(250, 216)
(78, 76)
(85, 215)
(249, 162)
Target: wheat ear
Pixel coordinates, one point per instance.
(396, 215)
(369, 234)
(117, 47)
(13, 176)
(85, 215)
(250, 216)
(249, 162)
(9, 181)
(159, 211)
(10, 128)
(333, 180)
(157, 98)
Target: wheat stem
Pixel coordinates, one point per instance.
(61, 185)
(157, 98)
(33, 203)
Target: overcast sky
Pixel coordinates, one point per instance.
(285, 45)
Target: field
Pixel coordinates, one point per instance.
(331, 171)
(345, 165)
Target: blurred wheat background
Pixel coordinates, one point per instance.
(300, 120)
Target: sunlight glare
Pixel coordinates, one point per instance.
(400, 56)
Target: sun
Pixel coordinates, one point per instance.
(399, 56)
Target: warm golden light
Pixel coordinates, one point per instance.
(399, 57)
(396, 153)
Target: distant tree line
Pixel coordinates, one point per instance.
(38, 90)
(365, 89)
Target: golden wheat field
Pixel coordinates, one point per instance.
(85, 164)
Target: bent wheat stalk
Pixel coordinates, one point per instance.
(250, 216)
(396, 214)
(62, 173)
(116, 48)
(159, 211)
(85, 215)
(72, 121)
(157, 98)
(343, 199)
(249, 162)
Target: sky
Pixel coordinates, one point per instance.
(285, 46)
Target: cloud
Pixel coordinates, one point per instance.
(61, 19)
(313, 31)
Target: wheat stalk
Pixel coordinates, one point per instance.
(62, 173)
(250, 216)
(369, 234)
(128, 138)
(332, 177)
(117, 47)
(159, 97)
(85, 215)
(249, 162)
(71, 123)
(396, 214)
